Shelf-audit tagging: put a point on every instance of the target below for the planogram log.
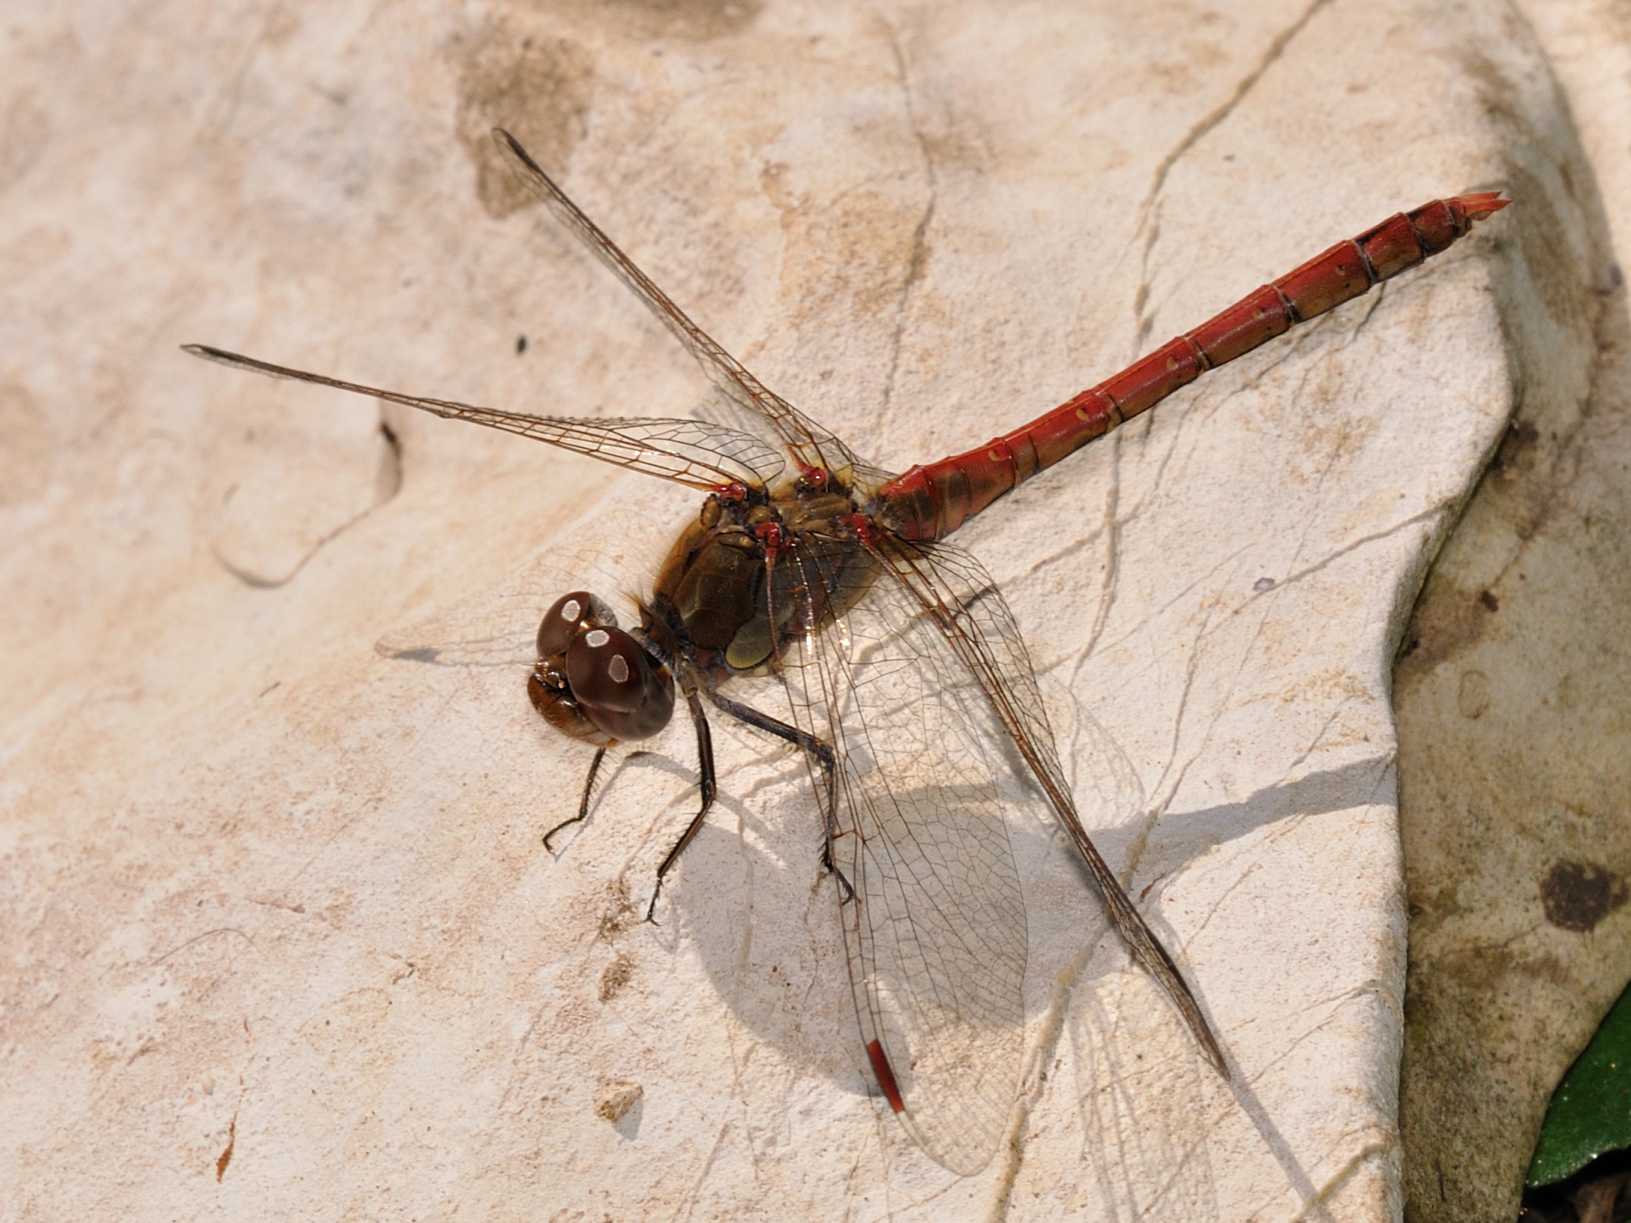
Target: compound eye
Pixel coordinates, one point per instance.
(547, 688)
(624, 690)
(566, 616)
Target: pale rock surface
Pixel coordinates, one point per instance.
(280, 940)
(1515, 752)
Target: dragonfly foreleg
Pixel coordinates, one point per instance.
(583, 805)
(709, 785)
(819, 750)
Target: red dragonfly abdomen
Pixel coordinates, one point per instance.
(932, 501)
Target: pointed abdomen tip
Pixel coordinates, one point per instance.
(1482, 204)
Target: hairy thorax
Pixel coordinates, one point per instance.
(733, 580)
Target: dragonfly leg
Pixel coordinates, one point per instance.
(823, 754)
(705, 768)
(831, 867)
(583, 805)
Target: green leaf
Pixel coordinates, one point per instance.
(1590, 1113)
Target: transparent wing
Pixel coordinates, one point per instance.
(808, 441)
(932, 909)
(696, 453)
(497, 626)
(953, 590)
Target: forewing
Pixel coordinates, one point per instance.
(696, 453)
(813, 445)
(497, 626)
(931, 905)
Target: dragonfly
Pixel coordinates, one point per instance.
(912, 696)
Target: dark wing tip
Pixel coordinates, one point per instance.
(508, 143)
(1210, 1046)
(236, 360)
(205, 352)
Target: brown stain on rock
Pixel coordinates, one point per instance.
(1524, 480)
(844, 254)
(1515, 457)
(1448, 620)
(536, 87)
(520, 74)
(1578, 895)
(1472, 696)
(27, 459)
(1467, 971)
(615, 976)
(622, 913)
(1434, 907)
(682, 20)
(25, 133)
(1520, 488)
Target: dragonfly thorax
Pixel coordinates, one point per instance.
(732, 588)
(592, 680)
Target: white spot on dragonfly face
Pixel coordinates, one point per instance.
(571, 610)
(595, 638)
(619, 669)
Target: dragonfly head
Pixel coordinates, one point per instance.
(592, 680)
